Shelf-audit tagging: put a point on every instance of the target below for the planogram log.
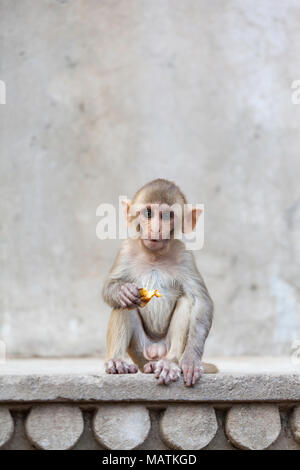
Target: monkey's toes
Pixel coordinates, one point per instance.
(166, 372)
(149, 367)
(119, 366)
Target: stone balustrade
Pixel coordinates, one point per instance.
(77, 410)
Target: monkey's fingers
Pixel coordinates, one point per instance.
(166, 371)
(110, 367)
(122, 301)
(133, 289)
(174, 374)
(164, 376)
(121, 367)
(133, 369)
(189, 376)
(198, 371)
(168, 375)
(149, 368)
(158, 369)
(191, 373)
(128, 296)
(133, 298)
(125, 301)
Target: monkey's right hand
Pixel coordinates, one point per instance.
(128, 295)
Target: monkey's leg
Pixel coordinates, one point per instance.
(167, 369)
(199, 325)
(178, 333)
(178, 329)
(124, 327)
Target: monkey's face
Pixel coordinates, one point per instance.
(156, 226)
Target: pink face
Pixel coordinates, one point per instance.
(156, 225)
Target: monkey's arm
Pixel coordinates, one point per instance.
(118, 291)
(201, 315)
(110, 292)
(200, 324)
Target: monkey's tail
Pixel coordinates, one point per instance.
(209, 368)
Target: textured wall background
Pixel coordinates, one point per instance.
(103, 96)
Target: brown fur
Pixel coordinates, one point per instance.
(167, 335)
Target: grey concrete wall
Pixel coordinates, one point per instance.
(103, 96)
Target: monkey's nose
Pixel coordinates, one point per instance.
(156, 236)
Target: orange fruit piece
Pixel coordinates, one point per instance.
(147, 295)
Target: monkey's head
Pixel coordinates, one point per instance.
(157, 211)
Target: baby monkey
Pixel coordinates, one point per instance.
(166, 337)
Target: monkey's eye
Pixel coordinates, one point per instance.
(167, 215)
(147, 213)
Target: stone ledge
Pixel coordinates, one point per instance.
(220, 388)
(65, 405)
(83, 380)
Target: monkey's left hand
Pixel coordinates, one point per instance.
(191, 369)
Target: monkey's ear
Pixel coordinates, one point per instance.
(126, 203)
(190, 219)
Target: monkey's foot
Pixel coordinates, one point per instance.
(164, 371)
(192, 370)
(119, 366)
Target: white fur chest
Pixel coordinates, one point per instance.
(156, 314)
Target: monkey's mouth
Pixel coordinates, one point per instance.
(153, 243)
(158, 240)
